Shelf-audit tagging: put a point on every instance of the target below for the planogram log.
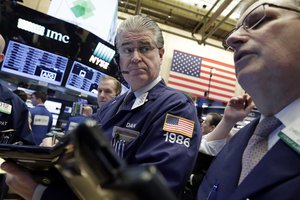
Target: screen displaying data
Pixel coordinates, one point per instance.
(30, 62)
(53, 106)
(84, 79)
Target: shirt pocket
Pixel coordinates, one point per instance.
(123, 138)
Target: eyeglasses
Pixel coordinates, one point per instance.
(129, 50)
(253, 20)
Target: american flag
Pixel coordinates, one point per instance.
(179, 125)
(199, 76)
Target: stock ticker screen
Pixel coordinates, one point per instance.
(84, 79)
(34, 63)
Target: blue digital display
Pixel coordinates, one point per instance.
(34, 63)
(84, 79)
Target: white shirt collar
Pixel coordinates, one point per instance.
(287, 115)
(290, 113)
(145, 89)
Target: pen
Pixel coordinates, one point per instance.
(213, 190)
(53, 139)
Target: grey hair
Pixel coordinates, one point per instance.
(141, 23)
(2, 44)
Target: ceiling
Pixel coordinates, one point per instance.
(203, 19)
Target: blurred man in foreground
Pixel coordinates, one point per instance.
(262, 160)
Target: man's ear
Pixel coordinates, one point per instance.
(1, 57)
(161, 52)
(212, 127)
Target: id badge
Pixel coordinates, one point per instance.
(125, 134)
(291, 135)
(5, 108)
(41, 120)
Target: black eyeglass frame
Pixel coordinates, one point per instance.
(246, 28)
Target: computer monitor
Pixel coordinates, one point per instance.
(84, 79)
(53, 106)
(29, 62)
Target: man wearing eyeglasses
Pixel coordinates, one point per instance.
(266, 50)
(152, 124)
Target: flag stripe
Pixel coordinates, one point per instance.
(174, 77)
(196, 75)
(218, 68)
(219, 63)
(200, 93)
(201, 89)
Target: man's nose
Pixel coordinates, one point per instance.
(136, 56)
(101, 94)
(236, 38)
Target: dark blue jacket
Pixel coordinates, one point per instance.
(151, 142)
(17, 118)
(276, 177)
(41, 122)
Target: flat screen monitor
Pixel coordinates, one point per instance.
(84, 79)
(27, 61)
(68, 109)
(53, 106)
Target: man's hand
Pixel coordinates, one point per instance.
(238, 108)
(49, 142)
(19, 180)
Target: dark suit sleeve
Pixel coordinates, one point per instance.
(21, 122)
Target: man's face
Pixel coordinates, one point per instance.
(34, 100)
(205, 126)
(267, 56)
(140, 57)
(106, 91)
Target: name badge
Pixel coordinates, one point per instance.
(291, 135)
(140, 100)
(5, 108)
(125, 134)
(41, 120)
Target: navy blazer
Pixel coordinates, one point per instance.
(276, 177)
(18, 119)
(152, 145)
(40, 131)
